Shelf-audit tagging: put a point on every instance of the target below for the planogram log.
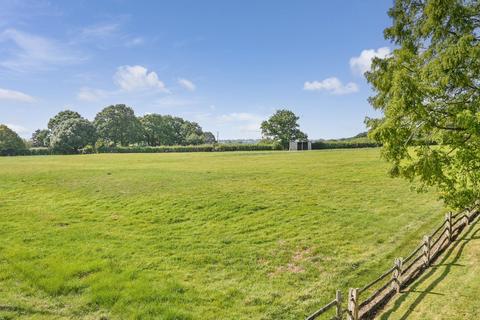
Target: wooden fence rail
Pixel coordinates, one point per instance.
(403, 272)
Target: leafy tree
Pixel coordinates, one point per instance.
(282, 127)
(176, 133)
(168, 130)
(41, 138)
(428, 90)
(62, 116)
(209, 137)
(72, 135)
(10, 142)
(192, 133)
(117, 123)
(156, 130)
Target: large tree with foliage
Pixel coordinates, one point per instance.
(209, 137)
(283, 127)
(72, 135)
(117, 123)
(429, 93)
(62, 116)
(10, 142)
(155, 129)
(41, 138)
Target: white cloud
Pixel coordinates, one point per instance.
(332, 85)
(187, 84)
(137, 78)
(89, 94)
(131, 79)
(170, 101)
(13, 95)
(33, 53)
(99, 31)
(18, 129)
(134, 42)
(363, 62)
(243, 121)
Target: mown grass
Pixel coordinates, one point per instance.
(253, 235)
(449, 290)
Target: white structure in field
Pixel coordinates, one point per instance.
(300, 145)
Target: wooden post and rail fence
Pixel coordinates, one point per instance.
(403, 272)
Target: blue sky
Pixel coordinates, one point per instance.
(225, 64)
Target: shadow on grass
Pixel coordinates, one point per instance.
(24, 310)
(458, 245)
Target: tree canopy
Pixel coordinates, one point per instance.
(41, 138)
(117, 123)
(73, 134)
(283, 127)
(10, 142)
(62, 116)
(428, 90)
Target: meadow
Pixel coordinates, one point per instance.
(237, 235)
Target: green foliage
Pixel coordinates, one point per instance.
(157, 149)
(41, 138)
(429, 93)
(209, 137)
(166, 130)
(344, 144)
(282, 127)
(157, 130)
(225, 235)
(72, 135)
(117, 123)
(248, 147)
(62, 116)
(190, 148)
(10, 143)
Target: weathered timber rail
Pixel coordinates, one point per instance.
(404, 271)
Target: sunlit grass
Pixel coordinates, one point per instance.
(263, 235)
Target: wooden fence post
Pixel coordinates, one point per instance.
(448, 225)
(353, 304)
(426, 250)
(338, 297)
(466, 219)
(397, 274)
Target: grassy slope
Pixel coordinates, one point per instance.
(201, 235)
(450, 290)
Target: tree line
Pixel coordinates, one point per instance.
(117, 125)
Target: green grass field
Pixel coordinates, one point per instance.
(253, 235)
(449, 290)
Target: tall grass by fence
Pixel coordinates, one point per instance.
(365, 302)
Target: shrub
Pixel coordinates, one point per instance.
(10, 143)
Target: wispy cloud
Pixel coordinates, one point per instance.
(187, 84)
(172, 101)
(363, 62)
(187, 42)
(90, 94)
(17, 128)
(135, 41)
(243, 121)
(332, 85)
(33, 53)
(23, 12)
(138, 78)
(13, 95)
(99, 31)
(107, 34)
